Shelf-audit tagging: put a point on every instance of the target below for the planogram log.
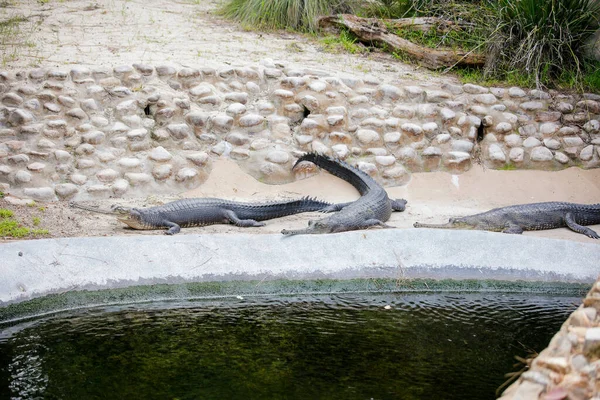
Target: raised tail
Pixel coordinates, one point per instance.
(357, 178)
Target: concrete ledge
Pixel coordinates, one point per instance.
(36, 268)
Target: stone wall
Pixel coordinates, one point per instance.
(138, 129)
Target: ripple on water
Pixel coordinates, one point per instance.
(349, 346)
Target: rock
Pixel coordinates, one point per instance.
(94, 137)
(539, 94)
(22, 177)
(162, 172)
(367, 136)
(487, 98)
(549, 128)
(414, 92)
(200, 159)
(564, 108)
(278, 157)
(20, 117)
(432, 151)
(541, 154)
(40, 193)
(587, 153)
(85, 163)
(462, 146)
(561, 157)
(12, 100)
(107, 175)
(223, 122)
(403, 111)
(36, 166)
(340, 150)
(120, 187)
(390, 92)
(368, 168)
(18, 159)
(531, 142)
(552, 144)
(503, 127)
(137, 178)
(78, 179)
(447, 114)
(413, 129)
(548, 116)
(591, 345)
(516, 154)
(129, 163)
(528, 130)
(474, 89)
(430, 128)
(590, 106)
(496, 153)
(77, 113)
(235, 110)
(442, 138)
(532, 105)
(180, 131)
(397, 173)
(437, 96)
(65, 190)
(568, 131)
(384, 160)
(457, 157)
(592, 126)
(186, 174)
(160, 154)
(572, 141)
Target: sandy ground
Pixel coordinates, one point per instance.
(432, 198)
(60, 33)
(185, 33)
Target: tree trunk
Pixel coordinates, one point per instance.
(375, 32)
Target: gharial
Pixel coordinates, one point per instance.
(529, 217)
(373, 208)
(208, 211)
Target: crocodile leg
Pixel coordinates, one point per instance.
(244, 223)
(335, 207)
(398, 205)
(513, 228)
(373, 222)
(173, 228)
(574, 226)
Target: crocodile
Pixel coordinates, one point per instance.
(208, 211)
(373, 208)
(529, 217)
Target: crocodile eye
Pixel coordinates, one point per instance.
(452, 220)
(311, 223)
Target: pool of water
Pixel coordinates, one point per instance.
(344, 346)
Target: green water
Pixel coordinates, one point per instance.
(347, 346)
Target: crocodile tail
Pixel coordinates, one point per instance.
(357, 178)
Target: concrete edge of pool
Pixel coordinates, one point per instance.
(32, 269)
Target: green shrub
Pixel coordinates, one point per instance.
(298, 15)
(542, 39)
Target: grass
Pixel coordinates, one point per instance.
(345, 42)
(15, 36)
(544, 40)
(299, 15)
(10, 227)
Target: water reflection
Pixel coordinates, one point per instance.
(451, 346)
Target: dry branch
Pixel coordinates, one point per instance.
(375, 32)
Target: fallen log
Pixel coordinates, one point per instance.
(375, 32)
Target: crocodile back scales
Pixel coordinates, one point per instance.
(374, 202)
(537, 216)
(207, 211)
